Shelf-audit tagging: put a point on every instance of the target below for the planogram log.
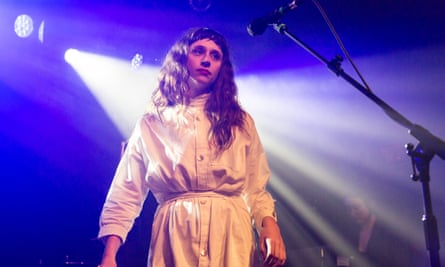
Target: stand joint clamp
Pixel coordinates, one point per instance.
(420, 159)
(335, 64)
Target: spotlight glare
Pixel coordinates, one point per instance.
(120, 90)
(23, 26)
(136, 62)
(200, 5)
(71, 55)
(41, 31)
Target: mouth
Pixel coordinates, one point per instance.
(203, 72)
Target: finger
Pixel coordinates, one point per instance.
(263, 248)
(279, 262)
(274, 262)
(277, 256)
(280, 252)
(276, 253)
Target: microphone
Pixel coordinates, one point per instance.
(259, 25)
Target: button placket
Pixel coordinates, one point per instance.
(204, 209)
(201, 149)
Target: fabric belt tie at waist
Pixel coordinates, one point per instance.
(185, 195)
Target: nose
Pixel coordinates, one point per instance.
(205, 63)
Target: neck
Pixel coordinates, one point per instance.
(196, 93)
(196, 88)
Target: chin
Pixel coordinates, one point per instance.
(203, 80)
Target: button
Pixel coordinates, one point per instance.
(200, 158)
(198, 118)
(202, 201)
(203, 252)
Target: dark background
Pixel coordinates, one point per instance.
(325, 140)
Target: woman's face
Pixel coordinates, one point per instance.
(203, 63)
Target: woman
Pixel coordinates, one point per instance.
(199, 153)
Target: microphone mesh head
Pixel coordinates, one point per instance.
(257, 27)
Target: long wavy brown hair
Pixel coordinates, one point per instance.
(222, 107)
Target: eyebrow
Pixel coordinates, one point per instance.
(203, 46)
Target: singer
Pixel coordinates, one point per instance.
(200, 155)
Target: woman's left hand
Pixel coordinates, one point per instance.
(272, 245)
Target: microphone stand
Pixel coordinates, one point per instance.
(428, 146)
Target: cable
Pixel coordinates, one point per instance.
(340, 43)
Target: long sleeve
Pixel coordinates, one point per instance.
(259, 200)
(206, 200)
(128, 190)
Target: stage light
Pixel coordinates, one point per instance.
(137, 61)
(71, 55)
(23, 26)
(200, 5)
(122, 92)
(41, 31)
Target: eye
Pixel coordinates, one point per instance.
(216, 55)
(198, 50)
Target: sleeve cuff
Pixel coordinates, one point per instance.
(113, 230)
(258, 219)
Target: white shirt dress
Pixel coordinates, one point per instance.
(208, 203)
